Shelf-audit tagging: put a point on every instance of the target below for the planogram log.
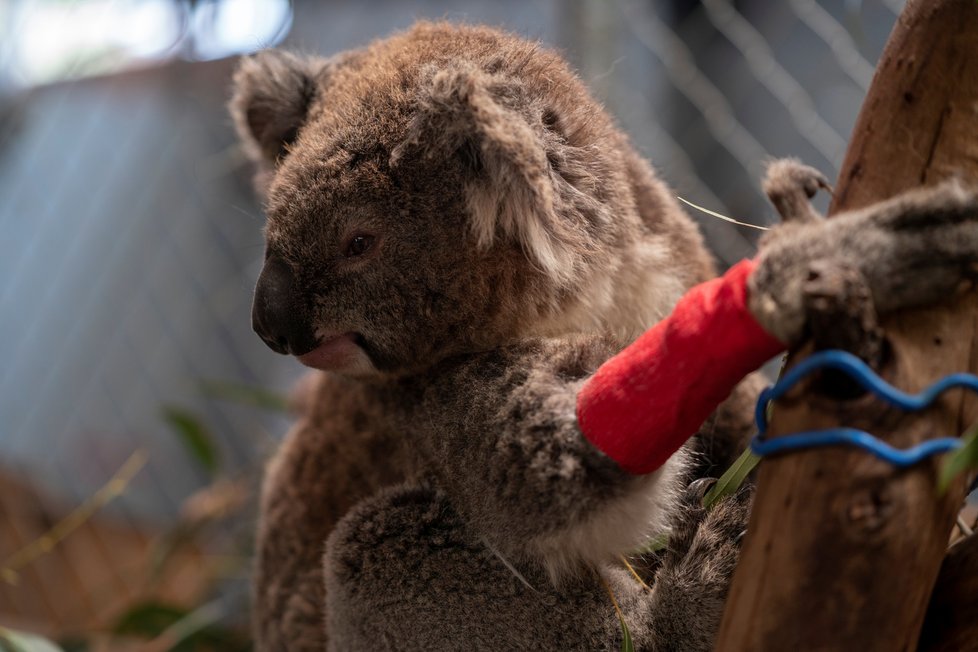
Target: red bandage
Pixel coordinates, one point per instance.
(644, 403)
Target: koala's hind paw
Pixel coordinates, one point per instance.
(708, 538)
(698, 566)
(789, 184)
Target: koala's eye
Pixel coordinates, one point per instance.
(358, 245)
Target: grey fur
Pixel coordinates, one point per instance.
(405, 573)
(273, 94)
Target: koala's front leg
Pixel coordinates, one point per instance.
(501, 430)
(405, 571)
(691, 585)
(912, 250)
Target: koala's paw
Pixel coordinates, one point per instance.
(695, 575)
(789, 184)
(704, 537)
(916, 249)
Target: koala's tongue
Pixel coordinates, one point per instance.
(334, 354)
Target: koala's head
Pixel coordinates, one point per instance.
(446, 190)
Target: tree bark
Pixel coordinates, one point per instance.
(843, 550)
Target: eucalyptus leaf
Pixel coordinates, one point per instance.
(732, 478)
(189, 629)
(194, 435)
(959, 461)
(244, 394)
(626, 636)
(11, 641)
(148, 619)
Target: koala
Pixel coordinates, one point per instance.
(458, 236)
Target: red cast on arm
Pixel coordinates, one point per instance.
(644, 403)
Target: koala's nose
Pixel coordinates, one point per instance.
(279, 313)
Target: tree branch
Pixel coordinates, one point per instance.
(843, 550)
(951, 625)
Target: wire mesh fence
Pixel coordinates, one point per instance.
(131, 239)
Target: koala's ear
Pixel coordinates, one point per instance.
(467, 113)
(273, 91)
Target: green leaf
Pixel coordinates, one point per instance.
(258, 397)
(732, 478)
(194, 435)
(189, 630)
(11, 641)
(728, 484)
(148, 619)
(626, 636)
(960, 461)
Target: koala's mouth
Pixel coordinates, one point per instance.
(335, 353)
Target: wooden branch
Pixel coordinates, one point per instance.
(843, 550)
(952, 617)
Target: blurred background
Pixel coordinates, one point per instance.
(136, 404)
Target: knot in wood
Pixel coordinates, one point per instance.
(868, 511)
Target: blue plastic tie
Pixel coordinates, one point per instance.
(870, 381)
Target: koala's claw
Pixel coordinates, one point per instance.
(697, 489)
(789, 184)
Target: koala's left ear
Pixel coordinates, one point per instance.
(273, 91)
(470, 115)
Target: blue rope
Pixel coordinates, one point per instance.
(870, 381)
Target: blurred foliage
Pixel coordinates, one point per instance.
(214, 530)
(180, 629)
(960, 461)
(244, 394)
(194, 435)
(11, 641)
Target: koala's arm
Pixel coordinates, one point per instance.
(645, 402)
(511, 442)
(501, 432)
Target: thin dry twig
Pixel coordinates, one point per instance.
(634, 573)
(964, 527)
(722, 217)
(116, 485)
